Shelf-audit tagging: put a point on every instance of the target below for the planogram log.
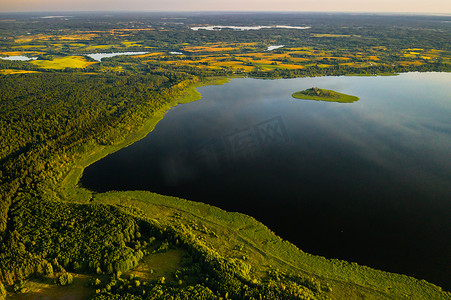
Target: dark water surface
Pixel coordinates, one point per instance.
(368, 182)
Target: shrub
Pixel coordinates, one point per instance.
(65, 279)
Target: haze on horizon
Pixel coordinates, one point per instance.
(387, 6)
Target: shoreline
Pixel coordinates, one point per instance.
(266, 247)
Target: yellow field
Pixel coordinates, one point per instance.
(23, 40)
(130, 44)
(246, 44)
(28, 38)
(208, 49)
(112, 69)
(75, 37)
(234, 65)
(17, 53)
(299, 59)
(131, 29)
(77, 45)
(98, 47)
(63, 62)
(299, 49)
(10, 72)
(346, 58)
(221, 47)
(350, 65)
(149, 54)
(43, 37)
(28, 46)
(291, 66)
(332, 35)
(410, 63)
(413, 49)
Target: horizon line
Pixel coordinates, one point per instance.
(230, 11)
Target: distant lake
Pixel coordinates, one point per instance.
(243, 28)
(270, 48)
(99, 56)
(368, 181)
(18, 57)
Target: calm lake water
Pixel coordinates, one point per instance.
(99, 56)
(243, 28)
(19, 57)
(368, 181)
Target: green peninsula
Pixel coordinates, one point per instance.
(318, 94)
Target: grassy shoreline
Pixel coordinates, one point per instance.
(263, 249)
(70, 189)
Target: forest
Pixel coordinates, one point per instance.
(63, 110)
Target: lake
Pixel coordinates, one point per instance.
(19, 58)
(100, 56)
(245, 28)
(368, 181)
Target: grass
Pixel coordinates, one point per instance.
(28, 46)
(61, 63)
(377, 74)
(77, 45)
(45, 288)
(333, 35)
(208, 49)
(131, 44)
(15, 53)
(410, 63)
(157, 265)
(76, 37)
(96, 47)
(324, 95)
(264, 250)
(12, 72)
(237, 234)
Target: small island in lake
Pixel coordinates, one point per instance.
(318, 94)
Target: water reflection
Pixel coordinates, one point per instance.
(100, 56)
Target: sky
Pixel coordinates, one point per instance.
(413, 6)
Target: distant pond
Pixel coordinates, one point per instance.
(19, 58)
(368, 181)
(100, 56)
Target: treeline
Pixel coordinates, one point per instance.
(314, 71)
(47, 120)
(80, 238)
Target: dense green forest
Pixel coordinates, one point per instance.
(68, 108)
